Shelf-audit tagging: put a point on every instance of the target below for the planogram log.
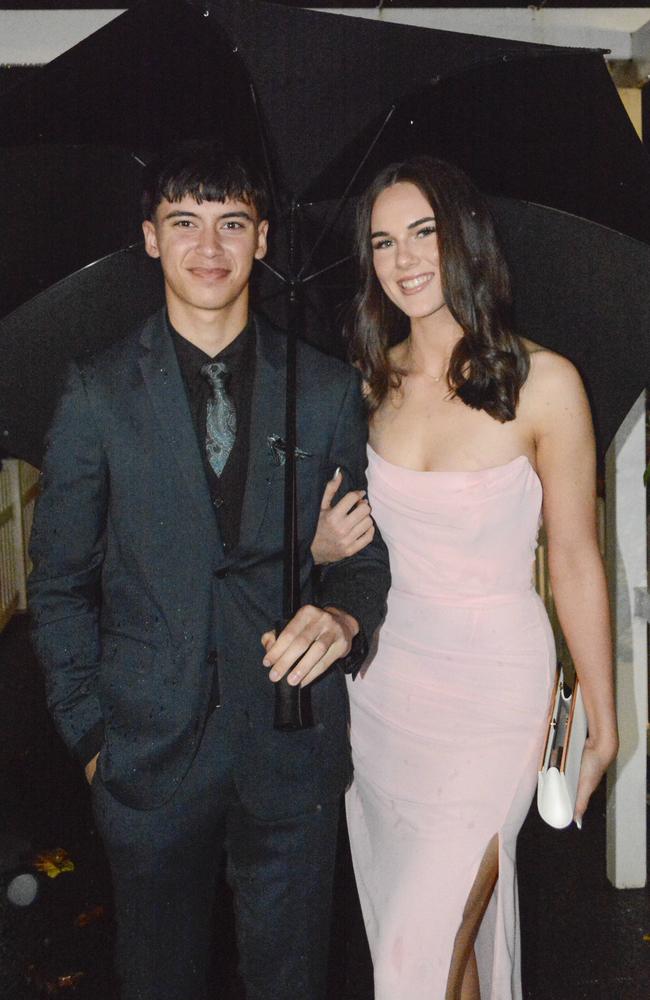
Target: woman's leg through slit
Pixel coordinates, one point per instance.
(463, 983)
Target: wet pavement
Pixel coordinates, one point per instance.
(581, 939)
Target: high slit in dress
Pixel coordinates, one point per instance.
(447, 721)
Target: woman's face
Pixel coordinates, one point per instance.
(405, 250)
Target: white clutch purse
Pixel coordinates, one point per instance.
(557, 780)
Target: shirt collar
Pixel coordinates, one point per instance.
(193, 358)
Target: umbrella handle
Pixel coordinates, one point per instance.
(292, 711)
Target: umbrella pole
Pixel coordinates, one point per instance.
(292, 704)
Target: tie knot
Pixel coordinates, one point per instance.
(216, 372)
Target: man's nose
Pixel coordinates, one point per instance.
(209, 243)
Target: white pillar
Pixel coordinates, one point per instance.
(13, 470)
(626, 559)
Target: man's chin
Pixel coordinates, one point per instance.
(208, 301)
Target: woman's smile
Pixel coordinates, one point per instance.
(411, 285)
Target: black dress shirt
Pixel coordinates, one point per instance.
(226, 490)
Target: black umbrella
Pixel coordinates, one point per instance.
(325, 100)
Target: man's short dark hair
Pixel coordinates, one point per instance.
(203, 171)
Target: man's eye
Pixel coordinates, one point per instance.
(183, 223)
(233, 224)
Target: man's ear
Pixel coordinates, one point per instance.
(150, 238)
(262, 233)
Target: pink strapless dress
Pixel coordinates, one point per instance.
(447, 721)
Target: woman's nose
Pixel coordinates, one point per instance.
(405, 255)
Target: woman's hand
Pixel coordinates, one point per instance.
(596, 758)
(343, 529)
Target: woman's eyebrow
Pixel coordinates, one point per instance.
(411, 225)
(418, 222)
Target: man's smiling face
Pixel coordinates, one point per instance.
(206, 251)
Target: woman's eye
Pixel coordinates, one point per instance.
(426, 231)
(381, 244)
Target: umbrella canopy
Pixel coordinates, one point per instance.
(324, 100)
(524, 120)
(85, 311)
(583, 290)
(53, 195)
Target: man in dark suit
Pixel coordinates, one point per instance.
(157, 550)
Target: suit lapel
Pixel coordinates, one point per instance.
(164, 384)
(267, 418)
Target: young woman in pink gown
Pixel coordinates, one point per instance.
(473, 433)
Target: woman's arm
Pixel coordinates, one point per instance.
(345, 528)
(567, 467)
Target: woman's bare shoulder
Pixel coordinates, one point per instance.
(550, 372)
(553, 397)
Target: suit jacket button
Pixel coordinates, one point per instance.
(221, 574)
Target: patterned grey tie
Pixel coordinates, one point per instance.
(221, 420)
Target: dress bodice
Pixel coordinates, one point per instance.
(461, 534)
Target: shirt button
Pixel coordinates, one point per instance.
(217, 503)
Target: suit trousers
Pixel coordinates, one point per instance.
(164, 865)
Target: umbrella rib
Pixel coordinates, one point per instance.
(338, 208)
(265, 150)
(323, 270)
(278, 274)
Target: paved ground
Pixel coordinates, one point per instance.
(582, 940)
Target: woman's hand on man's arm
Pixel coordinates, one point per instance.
(344, 528)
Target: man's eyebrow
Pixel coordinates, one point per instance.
(180, 213)
(411, 225)
(237, 215)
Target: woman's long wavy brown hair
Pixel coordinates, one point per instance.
(489, 364)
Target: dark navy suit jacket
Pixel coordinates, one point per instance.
(132, 595)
